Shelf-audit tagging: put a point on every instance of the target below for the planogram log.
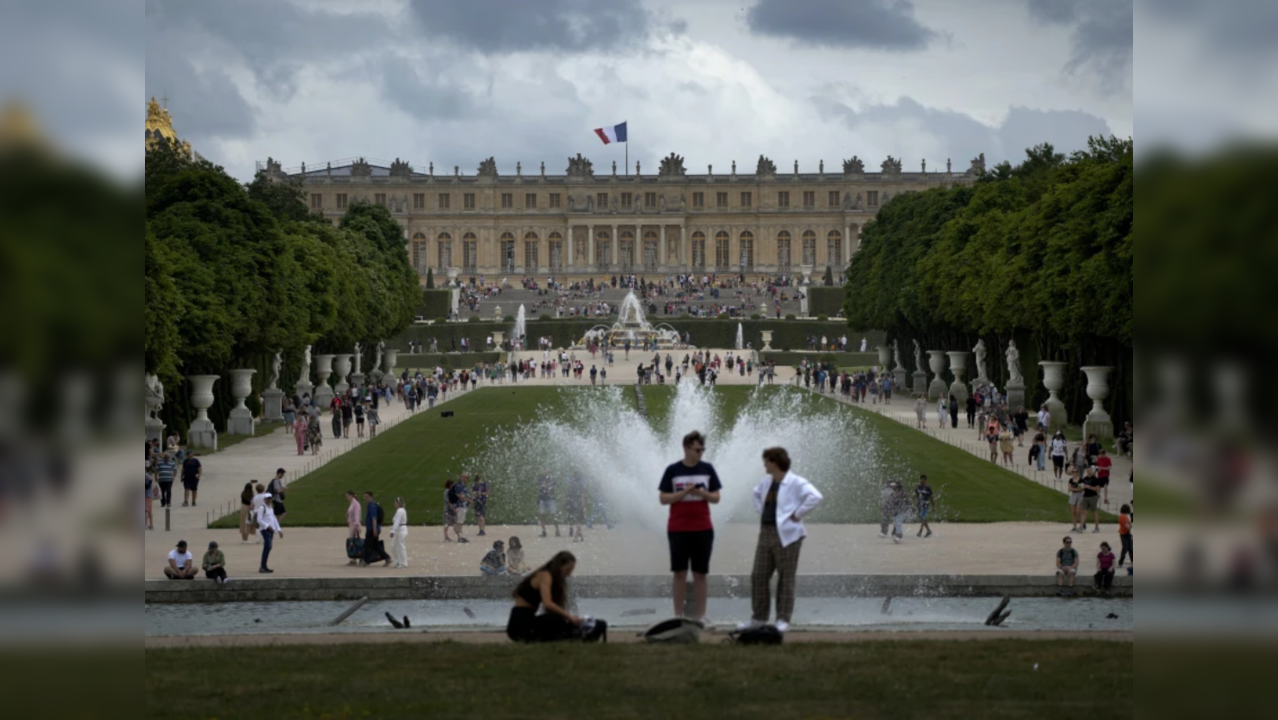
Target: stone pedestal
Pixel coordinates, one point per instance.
(240, 420)
(958, 366)
(201, 433)
(341, 368)
(154, 430)
(1016, 398)
(803, 306)
(273, 405)
(899, 378)
(767, 340)
(936, 362)
(1098, 422)
(1054, 380)
(304, 390)
(323, 369)
(920, 382)
(454, 297)
(392, 356)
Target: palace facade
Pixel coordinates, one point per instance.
(582, 224)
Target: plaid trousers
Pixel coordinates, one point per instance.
(770, 557)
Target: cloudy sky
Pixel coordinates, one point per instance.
(716, 81)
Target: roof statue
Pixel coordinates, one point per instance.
(580, 167)
(361, 168)
(891, 166)
(978, 165)
(487, 168)
(765, 166)
(853, 166)
(273, 168)
(400, 168)
(671, 166)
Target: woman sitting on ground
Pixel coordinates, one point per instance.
(546, 587)
(515, 564)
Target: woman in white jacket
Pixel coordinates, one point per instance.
(399, 534)
(782, 500)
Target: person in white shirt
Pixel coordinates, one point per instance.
(181, 563)
(259, 499)
(268, 527)
(399, 534)
(782, 500)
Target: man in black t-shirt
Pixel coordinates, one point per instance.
(1091, 498)
(191, 472)
(923, 501)
(689, 487)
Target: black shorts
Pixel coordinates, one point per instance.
(1103, 481)
(691, 548)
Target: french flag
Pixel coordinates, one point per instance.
(612, 133)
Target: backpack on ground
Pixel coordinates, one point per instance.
(762, 635)
(675, 630)
(354, 548)
(594, 630)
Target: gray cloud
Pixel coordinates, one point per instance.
(1100, 37)
(868, 24)
(507, 26)
(431, 96)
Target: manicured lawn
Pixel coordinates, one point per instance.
(887, 679)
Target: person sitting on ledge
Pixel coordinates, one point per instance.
(214, 564)
(546, 587)
(494, 563)
(515, 564)
(181, 563)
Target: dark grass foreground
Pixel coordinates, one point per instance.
(934, 679)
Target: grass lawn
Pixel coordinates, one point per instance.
(414, 458)
(905, 679)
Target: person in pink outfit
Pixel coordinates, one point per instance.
(299, 432)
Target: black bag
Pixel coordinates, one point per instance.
(762, 635)
(381, 517)
(594, 631)
(675, 630)
(354, 548)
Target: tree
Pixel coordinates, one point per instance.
(829, 276)
(430, 279)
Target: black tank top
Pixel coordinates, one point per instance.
(529, 594)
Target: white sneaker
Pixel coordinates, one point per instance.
(705, 622)
(783, 626)
(882, 535)
(752, 624)
(896, 540)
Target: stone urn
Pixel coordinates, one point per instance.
(958, 366)
(767, 340)
(1054, 381)
(1098, 422)
(392, 357)
(201, 433)
(341, 368)
(497, 314)
(498, 338)
(323, 369)
(240, 420)
(885, 357)
(936, 362)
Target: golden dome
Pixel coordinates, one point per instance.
(18, 126)
(160, 125)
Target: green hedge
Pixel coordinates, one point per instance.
(436, 304)
(451, 361)
(841, 359)
(786, 334)
(825, 301)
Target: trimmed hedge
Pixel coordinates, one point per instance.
(825, 301)
(786, 334)
(436, 303)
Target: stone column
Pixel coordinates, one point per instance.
(936, 361)
(590, 246)
(1098, 422)
(1054, 380)
(616, 246)
(571, 254)
(201, 433)
(661, 251)
(958, 366)
(685, 260)
(847, 244)
(240, 420)
(323, 368)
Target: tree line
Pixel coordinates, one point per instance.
(1040, 252)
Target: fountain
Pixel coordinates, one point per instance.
(521, 330)
(632, 326)
(740, 338)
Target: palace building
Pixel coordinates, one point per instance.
(582, 224)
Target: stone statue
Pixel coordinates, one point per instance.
(305, 375)
(671, 166)
(1014, 365)
(614, 204)
(896, 353)
(377, 359)
(400, 168)
(683, 201)
(661, 203)
(154, 395)
(580, 167)
(980, 353)
(948, 166)
(891, 166)
(543, 168)
(765, 166)
(361, 168)
(276, 362)
(590, 202)
(858, 201)
(572, 203)
(853, 166)
(978, 165)
(359, 357)
(847, 201)
(918, 357)
(487, 168)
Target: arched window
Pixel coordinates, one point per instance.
(650, 251)
(626, 250)
(419, 253)
(747, 250)
(834, 250)
(722, 251)
(783, 250)
(530, 252)
(555, 250)
(603, 250)
(507, 252)
(470, 252)
(445, 253)
(699, 250)
(809, 247)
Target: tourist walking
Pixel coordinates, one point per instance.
(399, 534)
(248, 523)
(299, 432)
(920, 412)
(782, 500)
(941, 408)
(269, 527)
(352, 522)
(314, 433)
(1125, 536)
(461, 500)
(689, 487)
(923, 505)
(546, 502)
(480, 506)
(546, 587)
(214, 564)
(191, 474)
(151, 491)
(373, 519)
(164, 472)
(1058, 453)
(954, 408)
(1091, 499)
